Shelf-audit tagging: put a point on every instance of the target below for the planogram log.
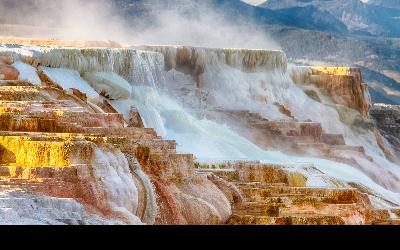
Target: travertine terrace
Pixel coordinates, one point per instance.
(343, 84)
(69, 157)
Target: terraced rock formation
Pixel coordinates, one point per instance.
(74, 151)
(293, 137)
(343, 84)
(277, 195)
(53, 146)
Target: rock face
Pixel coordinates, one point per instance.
(193, 61)
(344, 85)
(135, 120)
(7, 72)
(387, 118)
(4, 59)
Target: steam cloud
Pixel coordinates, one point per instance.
(184, 22)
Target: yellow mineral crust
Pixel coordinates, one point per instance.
(338, 71)
(59, 112)
(27, 152)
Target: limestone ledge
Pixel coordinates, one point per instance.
(277, 195)
(194, 60)
(343, 84)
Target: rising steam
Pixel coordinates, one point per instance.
(190, 22)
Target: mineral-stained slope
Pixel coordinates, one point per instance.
(78, 146)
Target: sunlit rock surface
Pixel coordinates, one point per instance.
(7, 71)
(344, 85)
(183, 135)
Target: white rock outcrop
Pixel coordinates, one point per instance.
(109, 85)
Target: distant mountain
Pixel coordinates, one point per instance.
(358, 16)
(309, 17)
(386, 3)
(377, 17)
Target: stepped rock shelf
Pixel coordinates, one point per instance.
(67, 156)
